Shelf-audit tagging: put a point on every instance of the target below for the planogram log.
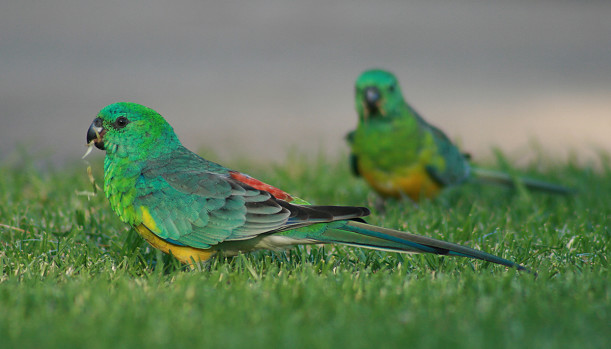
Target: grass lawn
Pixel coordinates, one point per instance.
(73, 275)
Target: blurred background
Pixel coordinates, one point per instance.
(255, 78)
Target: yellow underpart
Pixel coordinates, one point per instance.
(148, 220)
(185, 254)
(414, 182)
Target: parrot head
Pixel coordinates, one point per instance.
(130, 129)
(377, 95)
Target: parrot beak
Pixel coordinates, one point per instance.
(96, 133)
(372, 98)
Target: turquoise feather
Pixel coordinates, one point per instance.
(194, 208)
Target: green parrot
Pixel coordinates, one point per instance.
(193, 208)
(399, 154)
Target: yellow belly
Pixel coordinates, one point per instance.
(185, 254)
(413, 182)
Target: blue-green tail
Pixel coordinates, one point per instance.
(504, 179)
(370, 236)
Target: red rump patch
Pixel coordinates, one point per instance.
(257, 184)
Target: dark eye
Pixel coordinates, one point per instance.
(121, 122)
(391, 88)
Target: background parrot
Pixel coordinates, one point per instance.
(193, 208)
(399, 154)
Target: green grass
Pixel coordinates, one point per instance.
(74, 276)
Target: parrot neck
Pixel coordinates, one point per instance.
(123, 171)
(120, 178)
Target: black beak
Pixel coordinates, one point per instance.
(372, 97)
(95, 134)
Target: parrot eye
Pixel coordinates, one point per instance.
(391, 88)
(121, 122)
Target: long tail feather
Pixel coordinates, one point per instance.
(495, 177)
(366, 235)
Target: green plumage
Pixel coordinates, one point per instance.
(193, 208)
(400, 154)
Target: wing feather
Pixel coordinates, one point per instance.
(200, 204)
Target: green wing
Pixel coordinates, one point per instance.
(353, 159)
(197, 203)
(457, 168)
